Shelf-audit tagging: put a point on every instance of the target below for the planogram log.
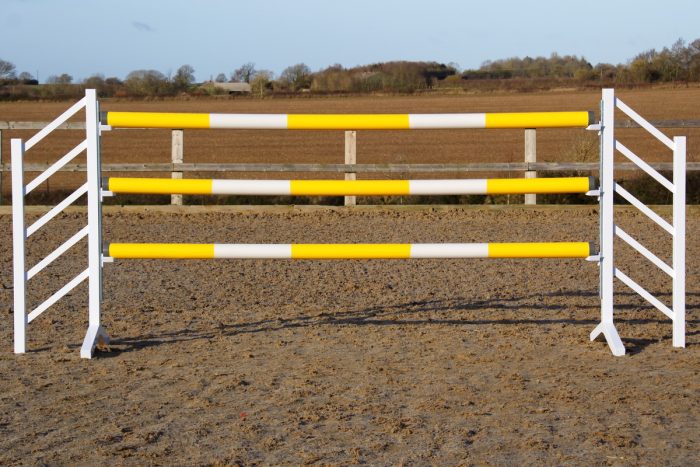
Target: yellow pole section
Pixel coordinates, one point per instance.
(351, 251)
(157, 120)
(540, 250)
(349, 187)
(160, 186)
(347, 122)
(514, 186)
(539, 120)
(162, 250)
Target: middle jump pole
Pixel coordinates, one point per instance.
(350, 187)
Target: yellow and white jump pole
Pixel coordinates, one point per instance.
(350, 187)
(348, 250)
(581, 119)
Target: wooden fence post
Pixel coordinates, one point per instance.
(530, 156)
(350, 158)
(177, 156)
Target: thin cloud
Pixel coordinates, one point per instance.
(142, 26)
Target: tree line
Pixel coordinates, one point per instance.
(679, 63)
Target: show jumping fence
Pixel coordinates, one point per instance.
(96, 189)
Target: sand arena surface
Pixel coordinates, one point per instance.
(345, 362)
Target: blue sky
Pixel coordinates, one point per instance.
(84, 37)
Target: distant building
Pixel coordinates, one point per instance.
(232, 88)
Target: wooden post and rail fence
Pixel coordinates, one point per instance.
(350, 167)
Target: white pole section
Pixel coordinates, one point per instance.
(19, 238)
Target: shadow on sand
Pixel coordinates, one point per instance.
(421, 313)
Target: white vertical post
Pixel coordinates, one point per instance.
(19, 238)
(177, 157)
(94, 204)
(607, 189)
(530, 156)
(350, 158)
(607, 225)
(679, 208)
(92, 129)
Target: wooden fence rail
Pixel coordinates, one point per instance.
(357, 168)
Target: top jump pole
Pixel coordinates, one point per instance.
(581, 119)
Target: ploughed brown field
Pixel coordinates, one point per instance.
(427, 146)
(268, 362)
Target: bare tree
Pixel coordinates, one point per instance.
(220, 78)
(96, 81)
(184, 77)
(25, 76)
(7, 69)
(244, 74)
(147, 83)
(262, 81)
(297, 76)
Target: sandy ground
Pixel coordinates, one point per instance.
(378, 362)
